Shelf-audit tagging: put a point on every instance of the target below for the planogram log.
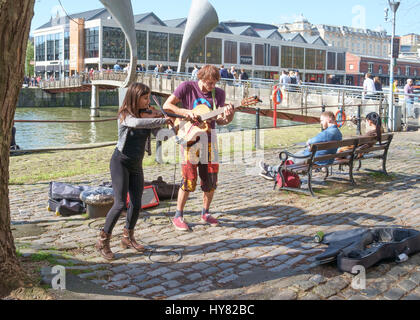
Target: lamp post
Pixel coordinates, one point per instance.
(391, 113)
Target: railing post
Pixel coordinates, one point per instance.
(359, 120)
(257, 129)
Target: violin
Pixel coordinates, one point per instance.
(151, 112)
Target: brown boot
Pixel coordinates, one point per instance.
(128, 241)
(103, 245)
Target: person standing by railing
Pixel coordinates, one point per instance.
(369, 89)
(378, 88)
(409, 99)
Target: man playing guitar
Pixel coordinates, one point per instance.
(193, 94)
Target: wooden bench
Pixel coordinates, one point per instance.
(359, 149)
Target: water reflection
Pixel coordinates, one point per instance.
(46, 135)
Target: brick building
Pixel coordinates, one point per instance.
(358, 65)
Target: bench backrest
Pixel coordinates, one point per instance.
(369, 144)
(332, 145)
(360, 145)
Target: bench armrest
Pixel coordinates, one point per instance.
(284, 155)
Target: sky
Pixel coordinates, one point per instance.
(357, 13)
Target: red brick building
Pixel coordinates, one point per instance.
(357, 66)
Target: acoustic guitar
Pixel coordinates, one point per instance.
(189, 131)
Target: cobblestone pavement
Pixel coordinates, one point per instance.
(263, 248)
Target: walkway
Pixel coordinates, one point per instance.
(263, 248)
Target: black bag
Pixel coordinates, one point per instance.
(66, 207)
(64, 199)
(366, 247)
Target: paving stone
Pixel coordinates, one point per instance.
(415, 277)
(150, 291)
(119, 277)
(412, 296)
(229, 278)
(325, 290)
(172, 275)
(171, 284)
(318, 279)
(159, 272)
(171, 293)
(407, 285)
(209, 271)
(129, 289)
(394, 294)
(285, 295)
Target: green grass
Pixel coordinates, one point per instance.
(41, 256)
(49, 166)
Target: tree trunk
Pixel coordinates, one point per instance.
(15, 22)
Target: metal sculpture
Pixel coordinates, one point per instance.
(202, 19)
(122, 12)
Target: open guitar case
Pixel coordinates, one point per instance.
(367, 247)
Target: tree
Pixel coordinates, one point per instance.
(15, 22)
(29, 68)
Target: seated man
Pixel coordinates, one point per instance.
(330, 133)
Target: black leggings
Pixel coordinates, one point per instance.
(126, 177)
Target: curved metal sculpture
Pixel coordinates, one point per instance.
(202, 19)
(122, 12)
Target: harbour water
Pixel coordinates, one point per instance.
(48, 135)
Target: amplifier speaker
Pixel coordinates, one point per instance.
(149, 198)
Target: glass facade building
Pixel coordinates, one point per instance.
(160, 43)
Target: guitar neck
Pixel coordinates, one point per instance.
(214, 113)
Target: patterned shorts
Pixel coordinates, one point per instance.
(207, 170)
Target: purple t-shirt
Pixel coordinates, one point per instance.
(191, 96)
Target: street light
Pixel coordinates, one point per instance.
(391, 113)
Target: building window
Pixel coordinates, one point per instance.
(380, 70)
(66, 45)
(231, 52)
(214, 51)
(341, 61)
(158, 46)
(286, 57)
(92, 43)
(320, 59)
(141, 38)
(407, 71)
(197, 53)
(399, 71)
(40, 48)
(245, 53)
(259, 54)
(113, 43)
(58, 52)
(331, 59)
(310, 59)
(274, 57)
(415, 72)
(50, 47)
(370, 67)
(298, 58)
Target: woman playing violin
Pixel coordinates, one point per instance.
(135, 120)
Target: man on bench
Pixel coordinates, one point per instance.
(330, 132)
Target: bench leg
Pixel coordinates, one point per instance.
(327, 174)
(353, 183)
(310, 183)
(384, 166)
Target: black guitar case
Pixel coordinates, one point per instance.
(366, 247)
